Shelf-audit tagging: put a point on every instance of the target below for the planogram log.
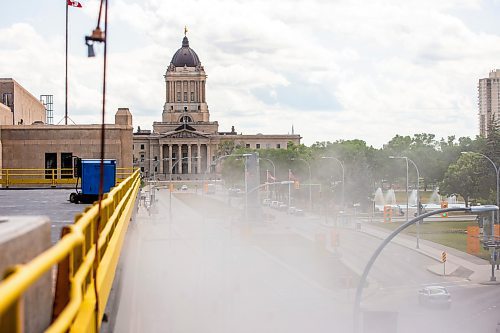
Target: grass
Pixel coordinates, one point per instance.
(449, 233)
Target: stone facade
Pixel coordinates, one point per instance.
(185, 143)
(24, 107)
(489, 101)
(53, 146)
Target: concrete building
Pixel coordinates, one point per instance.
(42, 146)
(489, 101)
(186, 142)
(18, 106)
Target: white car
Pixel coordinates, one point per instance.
(434, 296)
(275, 204)
(282, 206)
(266, 202)
(184, 188)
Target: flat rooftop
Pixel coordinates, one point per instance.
(41, 202)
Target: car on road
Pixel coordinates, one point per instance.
(299, 212)
(184, 188)
(275, 204)
(210, 188)
(434, 296)
(232, 192)
(295, 211)
(266, 202)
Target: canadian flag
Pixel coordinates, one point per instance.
(74, 4)
(270, 177)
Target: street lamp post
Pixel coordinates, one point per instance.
(418, 194)
(274, 167)
(170, 183)
(406, 158)
(366, 271)
(497, 172)
(272, 163)
(284, 182)
(214, 163)
(152, 193)
(343, 176)
(310, 180)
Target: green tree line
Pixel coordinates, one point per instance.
(454, 165)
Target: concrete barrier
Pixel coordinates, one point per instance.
(21, 239)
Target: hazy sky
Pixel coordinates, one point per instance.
(334, 69)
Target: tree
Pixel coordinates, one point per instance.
(462, 178)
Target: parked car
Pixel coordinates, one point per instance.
(210, 188)
(282, 206)
(233, 192)
(184, 188)
(434, 296)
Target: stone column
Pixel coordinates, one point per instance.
(151, 159)
(179, 158)
(209, 159)
(203, 91)
(189, 159)
(161, 158)
(170, 158)
(198, 160)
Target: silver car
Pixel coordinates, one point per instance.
(434, 296)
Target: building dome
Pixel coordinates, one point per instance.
(185, 56)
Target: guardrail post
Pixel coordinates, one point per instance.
(12, 320)
(53, 178)
(63, 285)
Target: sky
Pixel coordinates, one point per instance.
(334, 69)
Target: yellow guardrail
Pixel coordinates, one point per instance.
(52, 177)
(75, 299)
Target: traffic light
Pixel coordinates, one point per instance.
(387, 214)
(296, 184)
(444, 204)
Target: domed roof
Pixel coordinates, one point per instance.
(185, 56)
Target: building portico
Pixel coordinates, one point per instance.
(185, 143)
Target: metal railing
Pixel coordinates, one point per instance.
(75, 299)
(52, 177)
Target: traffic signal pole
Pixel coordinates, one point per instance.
(366, 271)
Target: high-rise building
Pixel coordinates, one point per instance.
(489, 101)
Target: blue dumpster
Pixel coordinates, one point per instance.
(89, 170)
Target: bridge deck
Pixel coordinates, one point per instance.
(205, 272)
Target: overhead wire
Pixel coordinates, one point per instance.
(97, 228)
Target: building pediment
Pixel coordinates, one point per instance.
(184, 134)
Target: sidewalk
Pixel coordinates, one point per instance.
(458, 263)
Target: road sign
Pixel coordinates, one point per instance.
(443, 256)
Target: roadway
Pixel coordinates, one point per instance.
(206, 270)
(53, 203)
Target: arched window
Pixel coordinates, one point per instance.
(186, 119)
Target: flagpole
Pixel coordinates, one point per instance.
(66, 76)
(289, 188)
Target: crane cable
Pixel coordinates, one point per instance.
(97, 229)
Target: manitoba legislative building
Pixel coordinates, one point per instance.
(185, 142)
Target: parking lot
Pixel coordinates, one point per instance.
(41, 202)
